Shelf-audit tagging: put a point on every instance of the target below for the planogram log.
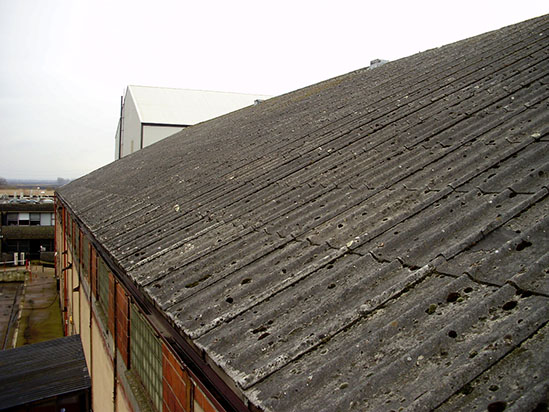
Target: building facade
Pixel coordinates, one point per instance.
(27, 229)
(134, 364)
(150, 114)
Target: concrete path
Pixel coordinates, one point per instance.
(40, 317)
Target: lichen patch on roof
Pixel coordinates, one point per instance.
(376, 241)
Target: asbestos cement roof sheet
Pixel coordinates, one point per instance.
(161, 105)
(42, 370)
(374, 242)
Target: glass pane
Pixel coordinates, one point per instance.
(45, 219)
(146, 358)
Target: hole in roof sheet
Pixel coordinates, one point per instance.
(509, 305)
(245, 281)
(229, 300)
(523, 245)
(498, 406)
(263, 336)
(524, 293)
(466, 389)
(452, 297)
(453, 334)
(541, 407)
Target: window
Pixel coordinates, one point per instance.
(46, 219)
(13, 219)
(24, 219)
(103, 288)
(76, 250)
(46, 245)
(68, 230)
(17, 246)
(85, 256)
(146, 356)
(34, 219)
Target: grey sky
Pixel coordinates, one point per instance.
(65, 64)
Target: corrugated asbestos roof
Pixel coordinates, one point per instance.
(42, 370)
(374, 242)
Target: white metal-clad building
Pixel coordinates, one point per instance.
(150, 114)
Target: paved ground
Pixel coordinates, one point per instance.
(10, 296)
(41, 316)
(36, 304)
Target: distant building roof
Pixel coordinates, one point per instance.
(160, 105)
(42, 370)
(377, 241)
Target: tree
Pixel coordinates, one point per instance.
(3, 182)
(61, 181)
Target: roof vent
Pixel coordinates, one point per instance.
(377, 62)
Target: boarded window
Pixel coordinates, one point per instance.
(122, 320)
(146, 356)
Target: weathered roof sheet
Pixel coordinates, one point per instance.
(42, 370)
(375, 241)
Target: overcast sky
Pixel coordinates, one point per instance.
(64, 63)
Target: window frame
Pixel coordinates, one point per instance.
(146, 356)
